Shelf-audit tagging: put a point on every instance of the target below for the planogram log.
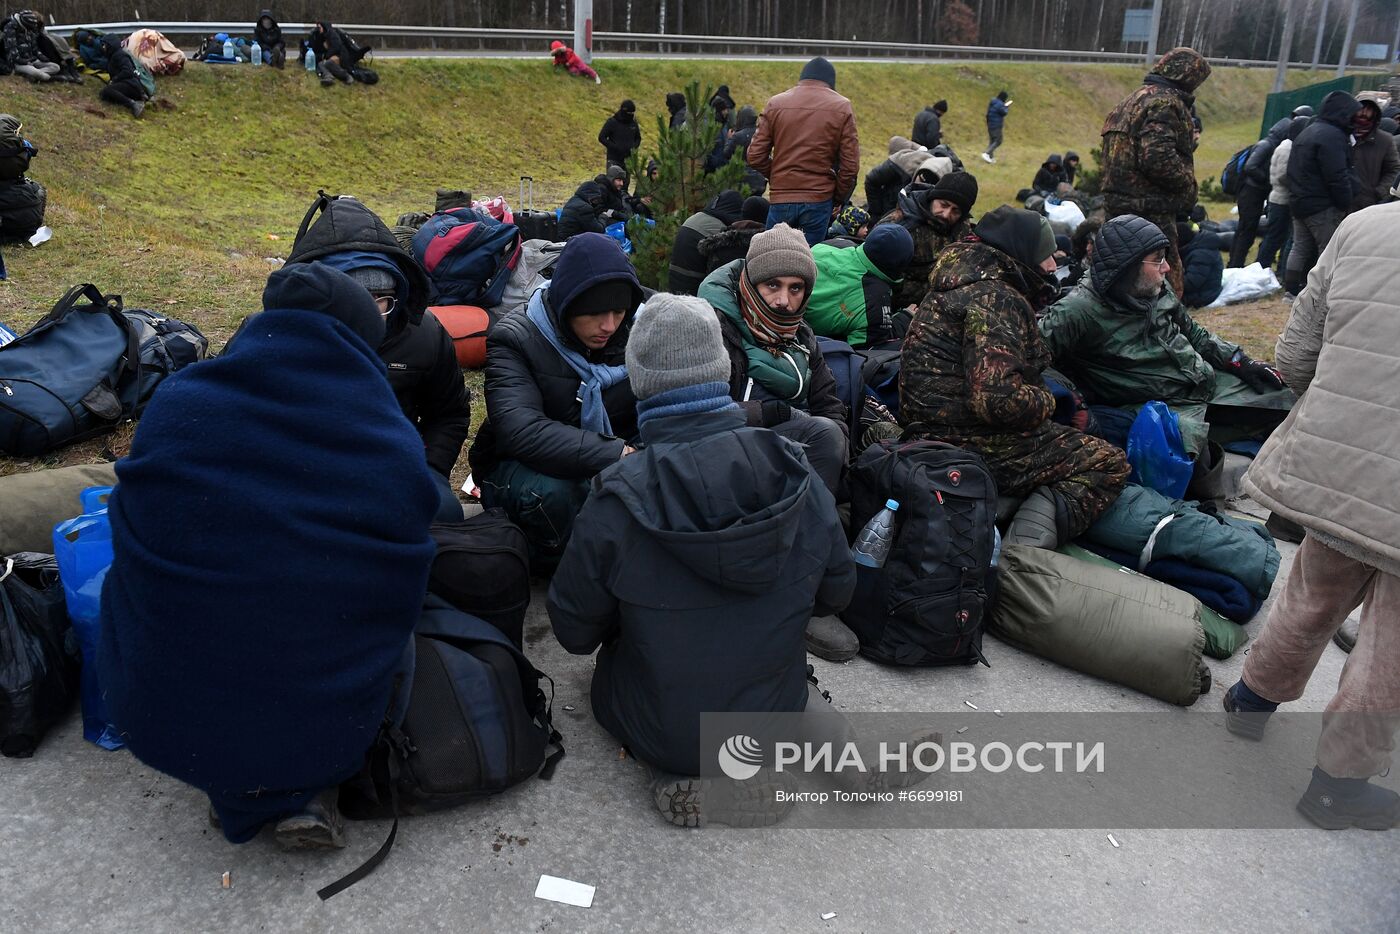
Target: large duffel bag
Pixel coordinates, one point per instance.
(1111, 623)
(482, 567)
(927, 605)
(31, 504)
(467, 326)
(84, 368)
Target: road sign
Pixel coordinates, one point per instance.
(1137, 25)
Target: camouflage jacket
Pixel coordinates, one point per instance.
(1147, 150)
(972, 359)
(928, 244)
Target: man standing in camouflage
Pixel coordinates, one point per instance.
(1148, 167)
(971, 376)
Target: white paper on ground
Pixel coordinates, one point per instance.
(42, 235)
(555, 889)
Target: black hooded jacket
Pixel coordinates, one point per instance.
(1256, 167)
(688, 266)
(533, 413)
(696, 565)
(1050, 174)
(1320, 164)
(267, 36)
(417, 350)
(581, 212)
(620, 136)
(928, 128)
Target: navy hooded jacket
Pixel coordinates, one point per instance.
(270, 531)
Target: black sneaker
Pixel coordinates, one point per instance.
(319, 827)
(699, 802)
(1339, 803)
(1345, 637)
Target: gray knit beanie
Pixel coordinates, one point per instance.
(675, 342)
(782, 251)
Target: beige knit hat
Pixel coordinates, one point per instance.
(782, 251)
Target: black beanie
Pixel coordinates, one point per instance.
(608, 295)
(628, 107)
(959, 188)
(755, 209)
(941, 106)
(819, 69)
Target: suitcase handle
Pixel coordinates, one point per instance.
(531, 180)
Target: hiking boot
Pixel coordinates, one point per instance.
(138, 108)
(1345, 638)
(1042, 521)
(893, 778)
(1246, 713)
(699, 802)
(319, 827)
(831, 639)
(1339, 803)
(1284, 530)
(988, 159)
(327, 81)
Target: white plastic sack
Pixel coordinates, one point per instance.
(527, 277)
(1247, 284)
(1066, 212)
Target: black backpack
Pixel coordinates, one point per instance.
(164, 346)
(477, 723)
(930, 602)
(482, 567)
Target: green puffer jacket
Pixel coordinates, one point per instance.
(1118, 356)
(838, 307)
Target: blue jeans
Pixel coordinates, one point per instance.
(812, 218)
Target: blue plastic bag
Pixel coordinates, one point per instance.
(83, 547)
(1157, 453)
(618, 231)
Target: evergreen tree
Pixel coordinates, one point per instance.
(681, 186)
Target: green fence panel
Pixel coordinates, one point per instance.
(1280, 105)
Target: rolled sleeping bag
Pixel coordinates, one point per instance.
(31, 504)
(467, 326)
(1111, 623)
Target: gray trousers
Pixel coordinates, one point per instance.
(1311, 235)
(824, 442)
(993, 139)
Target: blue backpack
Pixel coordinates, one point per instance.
(468, 256)
(846, 363)
(1232, 176)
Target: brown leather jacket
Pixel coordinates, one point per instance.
(806, 145)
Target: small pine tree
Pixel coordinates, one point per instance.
(681, 187)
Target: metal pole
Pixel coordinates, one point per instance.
(583, 29)
(1395, 45)
(1346, 43)
(1317, 42)
(1285, 44)
(1152, 36)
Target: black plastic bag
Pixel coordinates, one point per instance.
(39, 656)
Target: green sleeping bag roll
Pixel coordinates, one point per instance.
(1111, 623)
(31, 504)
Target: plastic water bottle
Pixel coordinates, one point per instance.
(310, 60)
(996, 545)
(872, 546)
(229, 52)
(256, 53)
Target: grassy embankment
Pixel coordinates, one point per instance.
(181, 211)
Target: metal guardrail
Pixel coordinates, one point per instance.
(667, 42)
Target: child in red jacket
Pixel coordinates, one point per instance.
(563, 55)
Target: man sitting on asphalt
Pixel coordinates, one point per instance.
(423, 368)
(696, 565)
(1124, 338)
(971, 376)
(558, 405)
(935, 216)
(853, 299)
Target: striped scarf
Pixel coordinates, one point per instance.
(772, 330)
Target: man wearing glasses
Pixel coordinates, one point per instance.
(1124, 337)
(422, 365)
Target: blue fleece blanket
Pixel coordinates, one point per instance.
(271, 543)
